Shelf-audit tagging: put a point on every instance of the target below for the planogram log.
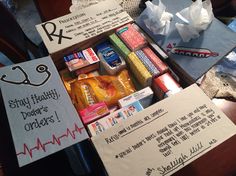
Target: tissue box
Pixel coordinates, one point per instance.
(193, 59)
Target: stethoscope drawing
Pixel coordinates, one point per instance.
(40, 69)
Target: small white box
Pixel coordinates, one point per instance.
(144, 96)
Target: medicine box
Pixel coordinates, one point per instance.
(144, 96)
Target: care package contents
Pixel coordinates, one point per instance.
(165, 85)
(88, 75)
(70, 77)
(142, 61)
(144, 96)
(114, 118)
(97, 91)
(85, 61)
(110, 59)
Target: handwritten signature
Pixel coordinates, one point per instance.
(163, 170)
(179, 161)
(195, 149)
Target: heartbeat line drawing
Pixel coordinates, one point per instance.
(55, 140)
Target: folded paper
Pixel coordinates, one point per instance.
(155, 17)
(196, 18)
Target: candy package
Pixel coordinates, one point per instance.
(108, 89)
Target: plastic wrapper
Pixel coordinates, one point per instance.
(228, 65)
(108, 89)
(196, 18)
(155, 17)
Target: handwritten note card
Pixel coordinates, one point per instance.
(164, 137)
(79, 26)
(41, 116)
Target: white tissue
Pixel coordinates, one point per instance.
(196, 18)
(155, 17)
(80, 4)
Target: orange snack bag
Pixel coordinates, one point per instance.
(108, 89)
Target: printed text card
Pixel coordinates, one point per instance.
(41, 116)
(164, 137)
(82, 25)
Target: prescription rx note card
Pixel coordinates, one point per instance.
(164, 137)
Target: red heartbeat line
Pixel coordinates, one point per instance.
(55, 140)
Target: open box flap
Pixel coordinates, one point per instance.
(82, 25)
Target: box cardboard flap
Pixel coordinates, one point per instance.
(82, 25)
(40, 113)
(164, 137)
